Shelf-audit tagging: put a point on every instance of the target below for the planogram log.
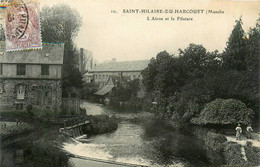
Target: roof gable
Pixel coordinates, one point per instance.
(49, 54)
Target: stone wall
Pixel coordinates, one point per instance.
(41, 94)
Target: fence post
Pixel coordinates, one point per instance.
(69, 104)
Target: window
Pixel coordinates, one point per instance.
(20, 92)
(45, 69)
(1, 69)
(103, 77)
(20, 69)
(99, 76)
(134, 76)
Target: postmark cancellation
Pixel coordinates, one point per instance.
(22, 27)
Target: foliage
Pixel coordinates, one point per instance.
(60, 24)
(124, 92)
(42, 155)
(233, 155)
(220, 111)
(211, 139)
(148, 75)
(235, 53)
(252, 154)
(181, 110)
(89, 89)
(200, 76)
(101, 124)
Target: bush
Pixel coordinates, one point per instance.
(182, 109)
(233, 155)
(215, 141)
(224, 112)
(40, 155)
(101, 124)
(211, 139)
(252, 154)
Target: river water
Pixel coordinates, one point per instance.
(138, 140)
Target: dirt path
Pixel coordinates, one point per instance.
(255, 141)
(92, 108)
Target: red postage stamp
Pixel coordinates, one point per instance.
(22, 27)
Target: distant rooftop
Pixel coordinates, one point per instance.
(49, 54)
(137, 65)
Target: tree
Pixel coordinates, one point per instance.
(252, 59)
(125, 90)
(200, 67)
(164, 78)
(235, 53)
(149, 74)
(197, 60)
(224, 112)
(60, 24)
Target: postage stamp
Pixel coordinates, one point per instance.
(22, 27)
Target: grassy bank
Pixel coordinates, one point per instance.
(39, 148)
(100, 124)
(223, 152)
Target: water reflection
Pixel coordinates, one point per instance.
(141, 140)
(129, 143)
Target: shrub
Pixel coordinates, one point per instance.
(223, 112)
(233, 155)
(101, 124)
(215, 141)
(252, 154)
(182, 110)
(41, 155)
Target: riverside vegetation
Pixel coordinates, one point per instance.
(41, 141)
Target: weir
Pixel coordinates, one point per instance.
(105, 162)
(75, 129)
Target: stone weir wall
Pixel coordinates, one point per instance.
(41, 94)
(223, 152)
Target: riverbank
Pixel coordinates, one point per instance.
(223, 150)
(130, 143)
(27, 142)
(36, 146)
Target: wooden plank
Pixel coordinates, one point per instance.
(77, 125)
(106, 162)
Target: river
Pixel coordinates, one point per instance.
(138, 140)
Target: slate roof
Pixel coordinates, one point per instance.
(110, 85)
(49, 54)
(106, 89)
(137, 65)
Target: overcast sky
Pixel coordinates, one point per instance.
(129, 36)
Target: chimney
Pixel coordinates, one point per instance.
(91, 63)
(81, 68)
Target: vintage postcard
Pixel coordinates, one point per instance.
(90, 83)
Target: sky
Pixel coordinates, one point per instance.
(130, 36)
